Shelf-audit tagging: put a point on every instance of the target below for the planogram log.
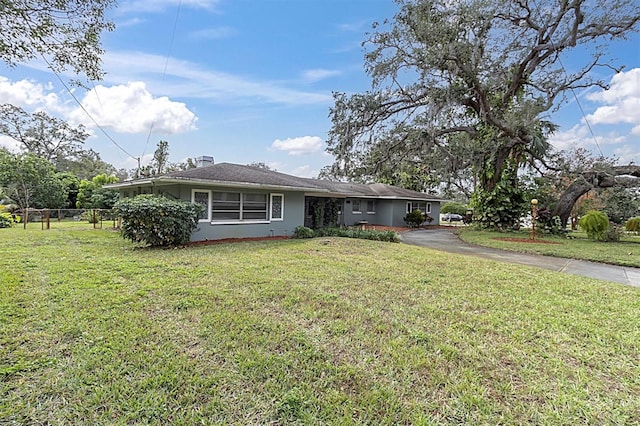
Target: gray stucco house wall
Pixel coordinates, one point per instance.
(245, 201)
(386, 212)
(293, 216)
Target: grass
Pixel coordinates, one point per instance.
(625, 252)
(94, 330)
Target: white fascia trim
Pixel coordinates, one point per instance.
(130, 183)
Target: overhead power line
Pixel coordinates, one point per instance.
(164, 72)
(87, 112)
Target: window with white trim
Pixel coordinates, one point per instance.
(277, 207)
(237, 206)
(423, 206)
(355, 207)
(203, 198)
(225, 206)
(254, 207)
(371, 206)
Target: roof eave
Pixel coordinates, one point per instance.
(309, 191)
(129, 183)
(206, 182)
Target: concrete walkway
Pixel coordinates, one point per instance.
(446, 240)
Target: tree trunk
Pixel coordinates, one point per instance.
(593, 180)
(577, 189)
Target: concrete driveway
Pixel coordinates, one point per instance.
(446, 240)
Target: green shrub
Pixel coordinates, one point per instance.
(613, 234)
(303, 232)
(414, 218)
(503, 206)
(157, 221)
(548, 223)
(388, 236)
(6, 220)
(595, 224)
(633, 225)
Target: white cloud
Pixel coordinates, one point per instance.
(132, 163)
(299, 146)
(9, 143)
(185, 79)
(188, 79)
(213, 33)
(622, 99)
(131, 108)
(357, 27)
(627, 154)
(312, 76)
(304, 171)
(568, 139)
(579, 135)
(28, 94)
(130, 22)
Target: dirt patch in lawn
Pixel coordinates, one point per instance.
(526, 240)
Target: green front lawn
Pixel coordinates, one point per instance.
(625, 252)
(94, 330)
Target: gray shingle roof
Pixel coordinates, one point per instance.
(236, 174)
(375, 190)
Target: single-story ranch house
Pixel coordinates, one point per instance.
(248, 201)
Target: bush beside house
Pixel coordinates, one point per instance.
(157, 221)
(416, 218)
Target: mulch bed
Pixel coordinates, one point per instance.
(397, 229)
(526, 240)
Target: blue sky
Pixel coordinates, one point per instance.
(251, 81)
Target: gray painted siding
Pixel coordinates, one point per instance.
(293, 217)
(388, 212)
(435, 213)
(293, 214)
(400, 211)
(384, 212)
(350, 218)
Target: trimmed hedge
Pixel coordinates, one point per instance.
(388, 236)
(157, 221)
(303, 232)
